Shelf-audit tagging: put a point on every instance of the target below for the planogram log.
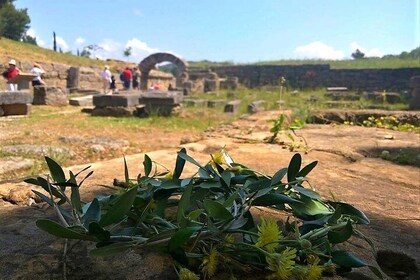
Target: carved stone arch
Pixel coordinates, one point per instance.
(149, 63)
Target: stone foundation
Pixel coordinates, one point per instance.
(47, 95)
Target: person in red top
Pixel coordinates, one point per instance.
(10, 73)
(127, 74)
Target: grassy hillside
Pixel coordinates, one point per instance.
(22, 51)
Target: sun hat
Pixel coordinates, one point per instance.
(106, 67)
(12, 62)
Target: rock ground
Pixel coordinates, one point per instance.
(388, 193)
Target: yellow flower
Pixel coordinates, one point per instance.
(210, 263)
(186, 274)
(282, 264)
(218, 158)
(169, 175)
(268, 235)
(314, 270)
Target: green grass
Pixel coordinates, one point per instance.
(368, 63)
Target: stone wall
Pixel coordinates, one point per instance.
(321, 75)
(57, 75)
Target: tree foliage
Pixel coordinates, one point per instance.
(358, 54)
(127, 52)
(13, 22)
(29, 39)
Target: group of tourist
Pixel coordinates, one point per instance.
(129, 78)
(13, 71)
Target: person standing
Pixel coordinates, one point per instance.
(127, 78)
(136, 76)
(37, 71)
(11, 72)
(106, 79)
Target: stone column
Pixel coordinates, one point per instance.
(415, 95)
(73, 79)
(143, 80)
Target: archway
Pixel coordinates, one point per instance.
(149, 63)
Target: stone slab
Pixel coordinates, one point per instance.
(216, 103)
(195, 102)
(232, 106)
(49, 95)
(337, 89)
(256, 106)
(113, 111)
(16, 97)
(115, 100)
(16, 109)
(162, 98)
(81, 101)
(13, 164)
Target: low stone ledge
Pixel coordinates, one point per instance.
(115, 100)
(49, 95)
(232, 106)
(16, 97)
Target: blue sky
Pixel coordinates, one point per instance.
(239, 31)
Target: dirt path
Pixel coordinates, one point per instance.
(388, 193)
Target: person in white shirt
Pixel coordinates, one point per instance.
(106, 79)
(37, 71)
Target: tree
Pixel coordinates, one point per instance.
(54, 42)
(358, 54)
(127, 52)
(85, 53)
(29, 39)
(13, 22)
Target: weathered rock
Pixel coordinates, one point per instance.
(40, 150)
(232, 106)
(15, 97)
(256, 106)
(81, 101)
(195, 102)
(102, 141)
(16, 109)
(114, 111)
(116, 100)
(49, 95)
(415, 96)
(216, 103)
(12, 164)
(161, 103)
(97, 149)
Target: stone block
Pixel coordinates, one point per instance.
(16, 109)
(195, 102)
(81, 101)
(116, 100)
(15, 97)
(162, 98)
(256, 106)
(114, 111)
(232, 106)
(49, 95)
(216, 103)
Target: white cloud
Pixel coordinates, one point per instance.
(79, 41)
(318, 50)
(368, 52)
(137, 13)
(61, 43)
(139, 49)
(32, 32)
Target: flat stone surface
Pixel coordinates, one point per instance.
(81, 101)
(232, 106)
(49, 95)
(195, 102)
(161, 98)
(11, 164)
(15, 97)
(104, 141)
(113, 111)
(116, 100)
(256, 106)
(216, 103)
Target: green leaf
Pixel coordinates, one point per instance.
(63, 212)
(96, 230)
(278, 176)
(112, 249)
(193, 215)
(147, 164)
(308, 168)
(376, 271)
(56, 171)
(217, 210)
(56, 229)
(229, 201)
(181, 237)
(189, 159)
(210, 184)
(39, 181)
(120, 208)
(75, 195)
(183, 204)
(273, 199)
(179, 165)
(309, 207)
(341, 235)
(226, 177)
(347, 209)
(347, 259)
(294, 167)
(126, 175)
(309, 193)
(93, 213)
